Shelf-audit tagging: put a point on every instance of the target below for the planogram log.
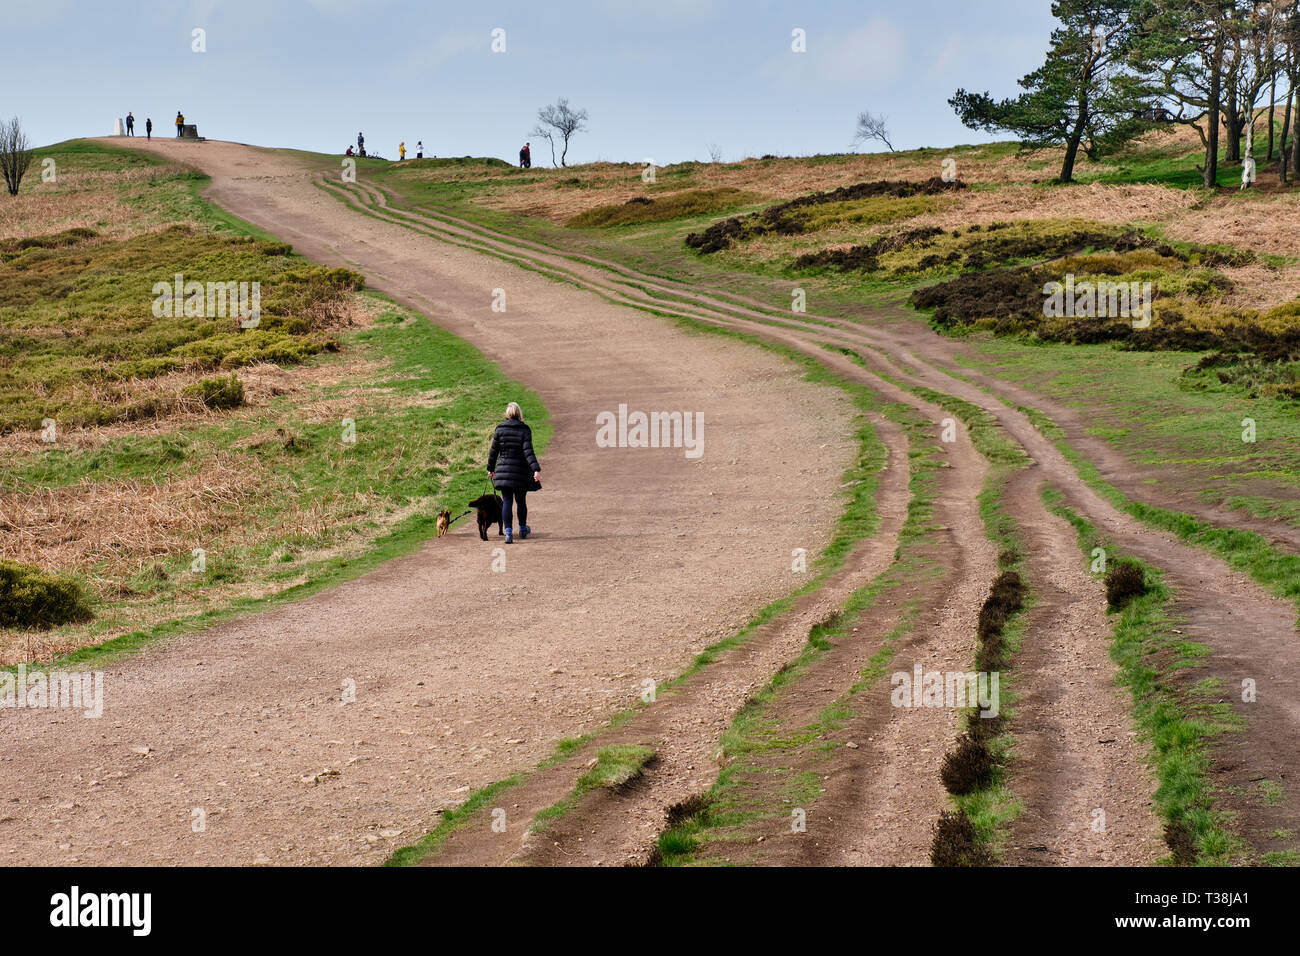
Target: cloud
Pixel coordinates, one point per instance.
(47, 14)
(451, 45)
(952, 52)
(874, 51)
(671, 10)
(343, 8)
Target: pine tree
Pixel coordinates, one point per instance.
(1083, 97)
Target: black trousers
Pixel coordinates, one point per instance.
(510, 497)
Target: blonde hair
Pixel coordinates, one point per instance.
(514, 411)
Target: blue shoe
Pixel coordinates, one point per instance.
(510, 536)
(524, 531)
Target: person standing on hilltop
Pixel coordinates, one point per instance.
(401, 151)
(361, 144)
(148, 128)
(130, 124)
(419, 149)
(526, 157)
(180, 123)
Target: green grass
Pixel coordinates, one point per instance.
(377, 497)
(81, 323)
(615, 766)
(456, 818)
(1176, 168)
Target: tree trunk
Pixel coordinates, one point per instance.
(1250, 149)
(1072, 148)
(1232, 116)
(1232, 131)
(1295, 123)
(1272, 105)
(1080, 127)
(1210, 175)
(1283, 156)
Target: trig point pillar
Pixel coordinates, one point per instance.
(119, 128)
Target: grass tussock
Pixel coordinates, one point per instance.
(968, 767)
(873, 202)
(684, 205)
(217, 393)
(954, 842)
(1125, 580)
(81, 324)
(31, 598)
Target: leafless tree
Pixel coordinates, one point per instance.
(562, 121)
(872, 127)
(15, 154)
(715, 153)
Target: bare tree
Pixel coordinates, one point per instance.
(715, 153)
(562, 121)
(543, 132)
(15, 154)
(872, 127)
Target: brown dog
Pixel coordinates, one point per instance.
(489, 514)
(444, 522)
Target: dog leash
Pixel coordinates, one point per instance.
(458, 517)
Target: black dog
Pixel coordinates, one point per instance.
(489, 514)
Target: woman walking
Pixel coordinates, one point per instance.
(513, 468)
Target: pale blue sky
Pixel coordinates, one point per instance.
(661, 79)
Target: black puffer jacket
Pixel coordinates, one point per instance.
(511, 459)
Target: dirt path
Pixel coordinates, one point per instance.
(1249, 631)
(640, 558)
